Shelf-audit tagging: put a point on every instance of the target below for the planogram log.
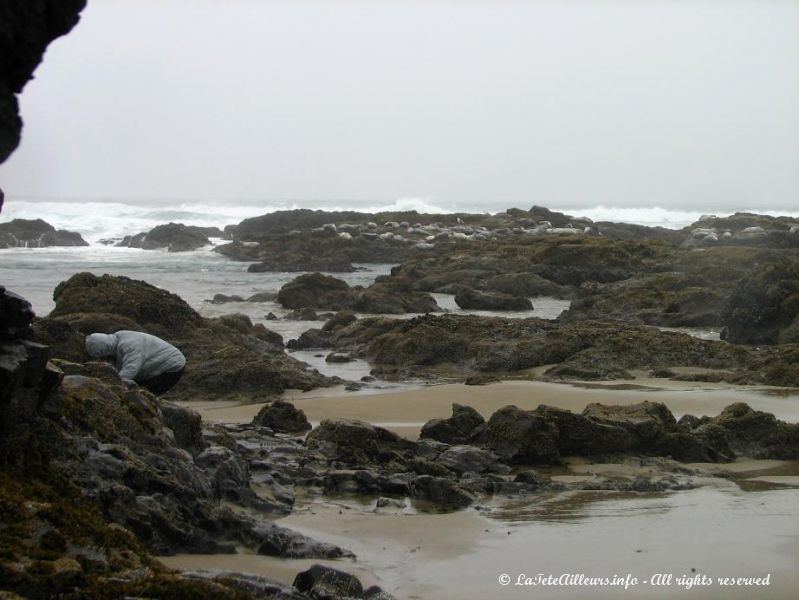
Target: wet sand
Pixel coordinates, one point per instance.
(713, 531)
(741, 522)
(406, 410)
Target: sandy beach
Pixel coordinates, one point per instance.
(405, 411)
(739, 522)
(715, 531)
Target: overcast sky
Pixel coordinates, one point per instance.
(568, 103)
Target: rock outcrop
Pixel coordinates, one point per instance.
(469, 298)
(228, 357)
(764, 307)
(175, 237)
(26, 29)
(391, 295)
(35, 233)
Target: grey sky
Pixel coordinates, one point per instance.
(676, 103)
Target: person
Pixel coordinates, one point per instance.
(146, 359)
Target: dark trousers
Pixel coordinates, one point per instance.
(162, 383)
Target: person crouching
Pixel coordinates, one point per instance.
(146, 359)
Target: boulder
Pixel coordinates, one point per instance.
(441, 492)
(470, 459)
(341, 319)
(348, 439)
(263, 297)
(301, 314)
(282, 416)
(35, 233)
(224, 299)
(764, 307)
(526, 285)
(578, 435)
(228, 357)
(457, 429)
(647, 420)
(320, 581)
(16, 315)
(471, 299)
(175, 237)
(520, 437)
(755, 434)
(312, 290)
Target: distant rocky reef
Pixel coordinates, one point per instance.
(175, 237)
(35, 233)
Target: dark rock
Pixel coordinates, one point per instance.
(457, 429)
(646, 419)
(463, 459)
(320, 581)
(224, 299)
(312, 290)
(756, 434)
(348, 439)
(341, 319)
(468, 298)
(520, 437)
(529, 477)
(764, 307)
(25, 383)
(227, 357)
(577, 435)
(16, 315)
(282, 416)
(186, 425)
(662, 373)
(301, 314)
(482, 379)
(28, 28)
(285, 543)
(311, 338)
(63, 339)
(263, 297)
(393, 295)
(175, 237)
(337, 357)
(441, 492)
(526, 285)
(36, 233)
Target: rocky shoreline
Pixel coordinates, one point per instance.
(145, 476)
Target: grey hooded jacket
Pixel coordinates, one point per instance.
(139, 356)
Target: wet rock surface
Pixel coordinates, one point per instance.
(175, 237)
(764, 307)
(315, 290)
(579, 350)
(282, 417)
(35, 233)
(228, 357)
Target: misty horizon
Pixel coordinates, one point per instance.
(469, 106)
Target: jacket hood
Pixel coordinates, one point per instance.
(101, 344)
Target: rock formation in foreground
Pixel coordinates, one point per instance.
(26, 29)
(227, 357)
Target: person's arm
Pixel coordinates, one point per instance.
(131, 362)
